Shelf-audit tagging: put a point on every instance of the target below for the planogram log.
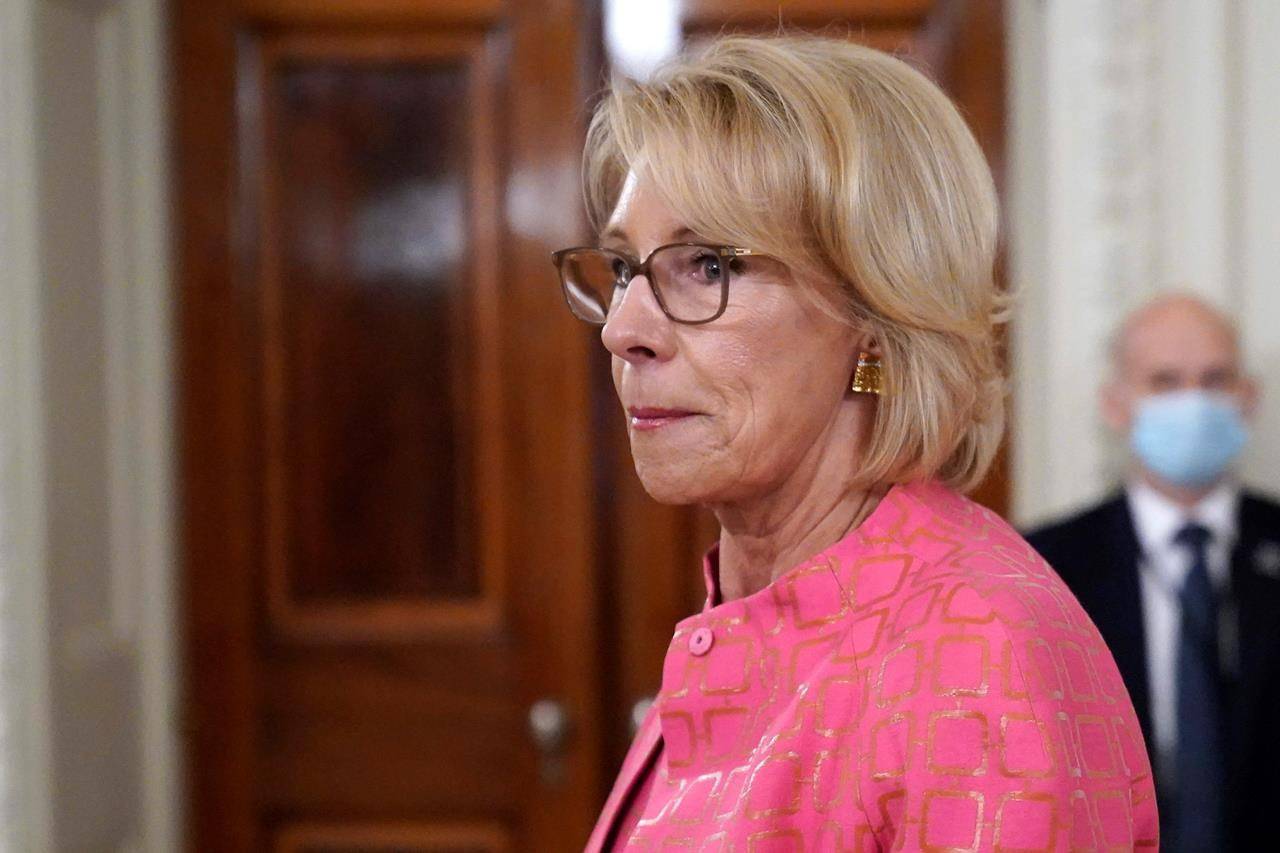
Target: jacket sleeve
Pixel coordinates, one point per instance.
(995, 727)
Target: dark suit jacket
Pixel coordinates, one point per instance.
(1097, 553)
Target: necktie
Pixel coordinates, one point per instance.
(1199, 815)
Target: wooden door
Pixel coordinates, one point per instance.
(385, 441)
(652, 576)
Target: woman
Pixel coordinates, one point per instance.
(794, 279)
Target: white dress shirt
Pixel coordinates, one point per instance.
(1164, 568)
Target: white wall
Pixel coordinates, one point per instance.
(88, 752)
(1143, 157)
(1256, 174)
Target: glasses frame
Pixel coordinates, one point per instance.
(637, 267)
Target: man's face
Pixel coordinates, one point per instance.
(1174, 346)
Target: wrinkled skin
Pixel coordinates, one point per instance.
(773, 437)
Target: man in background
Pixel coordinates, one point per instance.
(1181, 573)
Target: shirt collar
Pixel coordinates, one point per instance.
(1158, 519)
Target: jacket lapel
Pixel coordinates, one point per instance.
(1118, 609)
(1256, 594)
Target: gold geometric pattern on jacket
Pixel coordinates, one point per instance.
(927, 683)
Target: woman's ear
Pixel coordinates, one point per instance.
(866, 342)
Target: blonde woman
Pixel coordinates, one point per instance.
(794, 279)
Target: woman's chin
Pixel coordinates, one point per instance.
(672, 494)
(671, 484)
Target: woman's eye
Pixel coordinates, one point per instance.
(620, 272)
(709, 266)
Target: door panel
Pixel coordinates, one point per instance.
(380, 315)
(366, 300)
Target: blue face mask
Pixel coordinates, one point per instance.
(1188, 438)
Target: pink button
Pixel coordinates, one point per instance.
(700, 641)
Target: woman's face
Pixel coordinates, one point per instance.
(727, 411)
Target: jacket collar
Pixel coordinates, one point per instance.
(717, 699)
(765, 645)
(1119, 604)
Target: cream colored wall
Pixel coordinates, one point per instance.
(1257, 223)
(25, 783)
(1142, 139)
(88, 759)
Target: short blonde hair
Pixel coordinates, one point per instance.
(854, 169)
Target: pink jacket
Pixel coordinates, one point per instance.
(927, 683)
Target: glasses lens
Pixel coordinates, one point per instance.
(692, 280)
(590, 278)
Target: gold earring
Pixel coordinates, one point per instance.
(866, 376)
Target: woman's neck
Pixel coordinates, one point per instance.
(751, 558)
(762, 538)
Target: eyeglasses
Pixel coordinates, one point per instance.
(689, 280)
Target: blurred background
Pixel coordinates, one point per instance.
(318, 529)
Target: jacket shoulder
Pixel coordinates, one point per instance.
(1084, 522)
(1261, 505)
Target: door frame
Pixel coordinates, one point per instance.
(138, 414)
(25, 808)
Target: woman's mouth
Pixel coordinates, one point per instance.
(647, 418)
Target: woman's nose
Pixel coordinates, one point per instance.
(637, 329)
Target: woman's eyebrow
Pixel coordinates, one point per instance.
(618, 233)
(617, 236)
